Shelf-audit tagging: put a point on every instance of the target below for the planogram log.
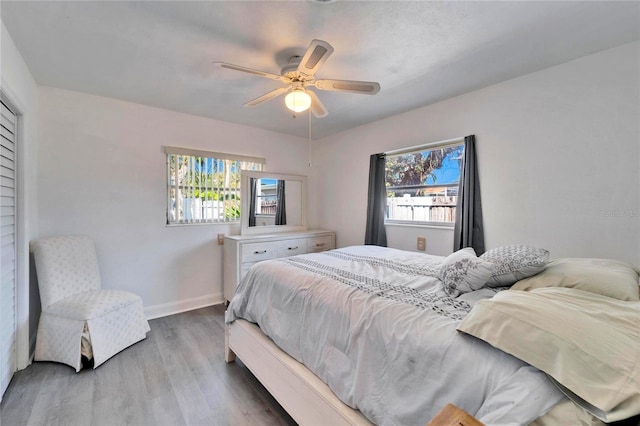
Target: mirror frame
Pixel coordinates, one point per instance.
(245, 229)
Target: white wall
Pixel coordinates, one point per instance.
(18, 85)
(102, 172)
(558, 154)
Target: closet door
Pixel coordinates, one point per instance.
(7, 246)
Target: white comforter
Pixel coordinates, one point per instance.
(376, 325)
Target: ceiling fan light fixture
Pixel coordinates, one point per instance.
(299, 73)
(298, 100)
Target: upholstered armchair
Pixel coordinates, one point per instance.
(78, 316)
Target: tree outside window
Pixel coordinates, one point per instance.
(422, 186)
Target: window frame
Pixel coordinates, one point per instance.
(413, 150)
(232, 163)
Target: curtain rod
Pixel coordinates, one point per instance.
(454, 141)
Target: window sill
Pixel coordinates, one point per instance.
(177, 225)
(422, 225)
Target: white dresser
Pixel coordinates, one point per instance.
(243, 251)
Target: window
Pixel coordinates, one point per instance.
(204, 187)
(266, 197)
(422, 184)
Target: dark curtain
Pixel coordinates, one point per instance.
(253, 182)
(468, 229)
(377, 203)
(281, 209)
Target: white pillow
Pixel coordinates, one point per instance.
(587, 342)
(515, 262)
(608, 277)
(462, 272)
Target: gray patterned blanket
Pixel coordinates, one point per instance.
(376, 325)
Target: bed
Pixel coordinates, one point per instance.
(367, 334)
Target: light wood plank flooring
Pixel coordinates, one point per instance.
(176, 376)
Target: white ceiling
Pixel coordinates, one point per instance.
(160, 53)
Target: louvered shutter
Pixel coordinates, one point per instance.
(7, 246)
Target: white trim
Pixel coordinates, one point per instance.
(455, 141)
(173, 308)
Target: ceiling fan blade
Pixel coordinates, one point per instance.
(267, 96)
(316, 106)
(363, 87)
(251, 71)
(316, 54)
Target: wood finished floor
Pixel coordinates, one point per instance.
(176, 376)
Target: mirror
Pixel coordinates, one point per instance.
(272, 202)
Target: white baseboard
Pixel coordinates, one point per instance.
(172, 308)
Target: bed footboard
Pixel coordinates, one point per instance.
(300, 392)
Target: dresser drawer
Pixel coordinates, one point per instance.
(255, 252)
(316, 244)
(292, 247)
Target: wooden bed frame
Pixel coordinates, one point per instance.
(306, 398)
(301, 393)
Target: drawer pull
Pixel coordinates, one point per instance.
(292, 248)
(319, 244)
(259, 252)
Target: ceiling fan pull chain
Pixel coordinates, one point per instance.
(309, 143)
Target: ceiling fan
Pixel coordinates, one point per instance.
(298, 77)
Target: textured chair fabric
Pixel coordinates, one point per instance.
(73, 301)
(66, 266)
